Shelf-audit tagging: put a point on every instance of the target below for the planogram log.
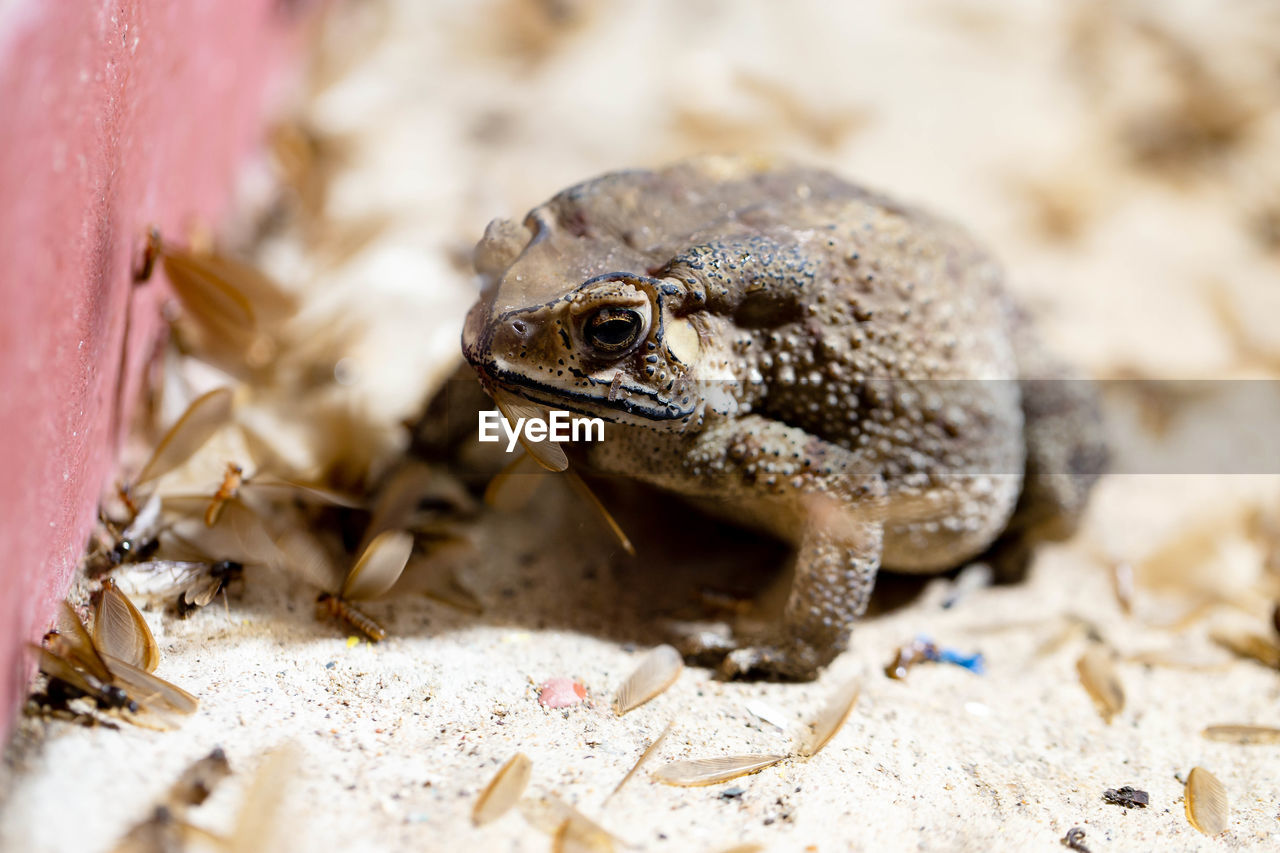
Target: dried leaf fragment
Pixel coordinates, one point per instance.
(503, 790)
(657, 671)
(1243, 734)
(1098, 676)
(831, 718)
(709, 771)
(1206, 801)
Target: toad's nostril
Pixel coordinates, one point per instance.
(520, 327)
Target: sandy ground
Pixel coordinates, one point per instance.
(1113, 154)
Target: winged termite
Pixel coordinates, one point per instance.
(137, 540)
(1206, 802)
(109, 675)
(375, 571)
(206, 415)
(1098, 676)
(503, 790)
(644, 756)
(657, 671)
(234, 483)
(548, 453)
(227, 489)
(709, 771)
(119, 630)
(188, 584)
(223, 291)
(1243, 734)
(830, 718)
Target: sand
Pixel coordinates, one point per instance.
(1130, 205)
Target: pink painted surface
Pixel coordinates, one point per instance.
(113, 115)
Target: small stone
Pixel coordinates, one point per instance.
(560, 692)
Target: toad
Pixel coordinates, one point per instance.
(792, 352)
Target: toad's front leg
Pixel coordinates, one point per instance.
(818, 496)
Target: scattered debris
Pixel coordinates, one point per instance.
(971, 578)
(922, 649)
(560, 692)
(1128, 797)
(1074, 840)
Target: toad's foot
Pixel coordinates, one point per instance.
(793, 660)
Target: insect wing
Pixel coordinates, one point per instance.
(379, 566)
(709, 771)
(503, 790)
(581, 487)
(547, 453)
(206, 415)
(831, 718)
(257, 826)
(147, 689)
(75, 644)
(657, 671)
(120, 631)
(514, 486)
(200, 594)
(159, 579)
(61, 669)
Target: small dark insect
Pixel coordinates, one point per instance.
(138, 539)
(1127, 797)
(1074, 840)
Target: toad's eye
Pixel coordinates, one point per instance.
(613, 329)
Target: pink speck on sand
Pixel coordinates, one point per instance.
(560, 693)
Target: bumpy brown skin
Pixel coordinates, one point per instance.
(808, 357)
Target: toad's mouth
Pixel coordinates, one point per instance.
(625, 403)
